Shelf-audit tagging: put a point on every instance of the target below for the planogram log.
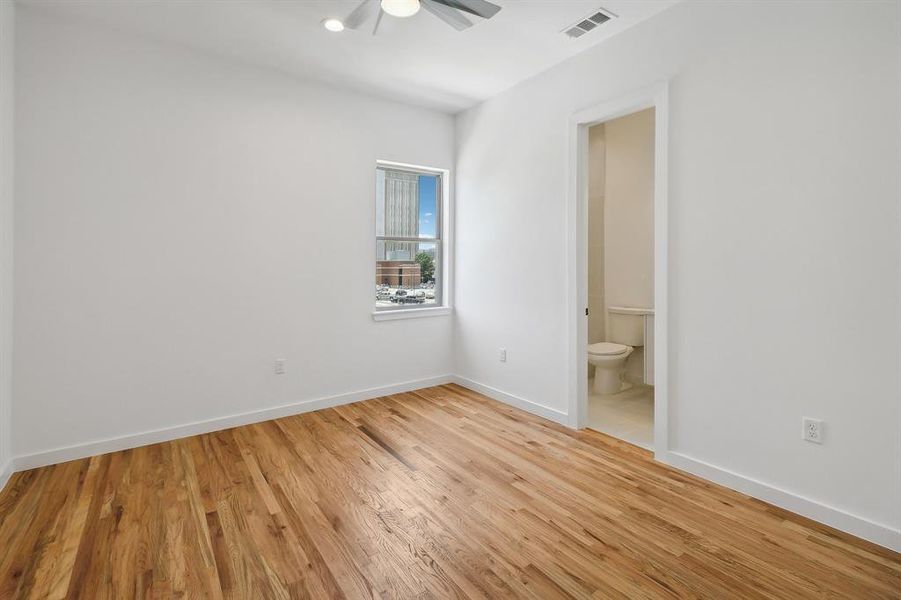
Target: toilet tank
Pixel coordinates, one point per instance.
(625, 328)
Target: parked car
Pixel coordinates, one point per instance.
(408, 297)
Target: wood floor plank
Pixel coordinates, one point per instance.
(437, 493)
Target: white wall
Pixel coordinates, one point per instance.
(784, 229)
(181, 222)
(7, 144)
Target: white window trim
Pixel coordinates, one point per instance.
(447, 243)
(411, 313)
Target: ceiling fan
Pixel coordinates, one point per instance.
(452, 12)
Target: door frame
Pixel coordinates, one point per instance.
(657, 97)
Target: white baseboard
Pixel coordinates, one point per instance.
(878, 533)
(74, 452)
(527, 405)
(6, 470)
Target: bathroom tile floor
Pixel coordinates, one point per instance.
(628, 415)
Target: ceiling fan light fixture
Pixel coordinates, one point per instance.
(334, 25)
(401, 8)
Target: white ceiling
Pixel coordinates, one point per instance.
(419, 60)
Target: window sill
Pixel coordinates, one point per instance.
(411, 313)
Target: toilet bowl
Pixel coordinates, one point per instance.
(609, 360)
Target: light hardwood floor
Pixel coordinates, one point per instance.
(439, 493)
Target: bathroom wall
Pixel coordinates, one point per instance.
(629, 218)
(629, 210)
(596, 309)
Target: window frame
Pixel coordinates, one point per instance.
(442, 241)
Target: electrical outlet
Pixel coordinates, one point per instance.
(813, 430)
(503, 355)
(279, 366)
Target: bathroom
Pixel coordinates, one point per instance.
(621, 278)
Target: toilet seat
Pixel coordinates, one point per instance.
(607, 349)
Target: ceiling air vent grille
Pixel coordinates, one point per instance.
(599, 17)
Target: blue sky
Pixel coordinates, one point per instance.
(428, 195)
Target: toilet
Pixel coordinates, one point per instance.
(625, 331)
(609, 360)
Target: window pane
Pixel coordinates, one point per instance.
(428, 206)
(407, 274)
(406, 204)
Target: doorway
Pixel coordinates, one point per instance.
(620, 266)
(617, 223)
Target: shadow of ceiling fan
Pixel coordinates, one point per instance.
(452, 12)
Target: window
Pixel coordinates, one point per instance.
(408, 234)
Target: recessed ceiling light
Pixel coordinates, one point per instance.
(400, 8)
(334, 25)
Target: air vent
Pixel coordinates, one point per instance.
(599, 17)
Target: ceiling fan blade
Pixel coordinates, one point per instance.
(378, 20)
(479, 8)
(448, 15)
(360, 14)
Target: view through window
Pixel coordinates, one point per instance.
(408, 238)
